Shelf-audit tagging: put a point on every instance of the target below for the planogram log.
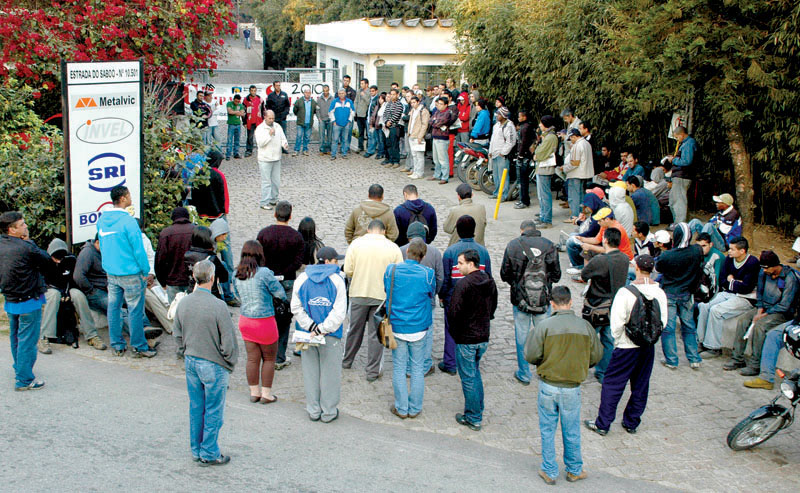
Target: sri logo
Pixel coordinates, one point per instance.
(106, 171)
(319, 301)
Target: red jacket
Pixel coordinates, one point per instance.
(253, 107)
(463, 113)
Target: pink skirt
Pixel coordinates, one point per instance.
(258, 330)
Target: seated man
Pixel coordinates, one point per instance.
(777, 287)
(662, 242)
(659, 185)
(647, 207)
(643, 239)
(738, 280)
(725, 224)
(633, 169)
(91, 291)
(593, 246)
(773, 344)
(712, 265)
(57, 278)
(624, 211)
(607, 176)
(587, 228)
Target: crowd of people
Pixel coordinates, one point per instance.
(638, 282)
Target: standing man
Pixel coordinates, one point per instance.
(304, 109)
(563, 348)
(365, 264)
(525, 141)
(22, 284)
(173, 243)
(392, 115)
(530, 267)
(465, 207)
(367, 211)
(372, 110)
(341, 113)
(236, 112)
(545, 157)
(271, 141)
(348, 90)
(630, 362)
(608, 272)
(414, 210)
(324, 101)
(213, 121)
(570, 121)
(470, 310)
(362, 102)
(246, 34)
(418, 121)
(440, 122)
(579, 170)
(319, 305)
(252, 103)
(504, 139)
(205, 336)
(125, 262)
(201, 112)
(283, 250)
(681, 164)
(278, 102)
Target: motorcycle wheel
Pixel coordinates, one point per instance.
(461, 170)
(753, 432)
(473, 174)
(486, 181)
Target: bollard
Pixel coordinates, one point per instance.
(500, 193)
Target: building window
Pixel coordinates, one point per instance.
(429, 75)
(358, 73)
(388, 74)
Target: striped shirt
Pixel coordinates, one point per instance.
(393, 112)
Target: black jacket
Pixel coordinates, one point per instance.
(195, 255)
(89, 274)
(209, 200)
(22, 268)
(279, 103)
(680, 269)
(283, 248)
(173, 243)
(515, 261)
(527, 136)
(472, 306)
(59, 275)
(601, 270)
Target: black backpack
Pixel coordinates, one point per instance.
(417, 217)
(533, 291)
(644, 324)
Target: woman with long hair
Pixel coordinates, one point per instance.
(308, 230)
(256, 285)
(203, 247)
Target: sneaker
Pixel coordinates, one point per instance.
(219, 461)
(632, 431)
(233, 302)
(119, 352)
(97, 343)
(668, 366)
(294, 154)
(463, 421)
(333, 158)
(44, 346)
(281, 366)
(334, 418)
(520, 205)
(305, 153)
(523, 382)
(430, 371)
(372, 378)
(733, 365)
(711, 353)
(758, 383)
(414, 176)
(572, 477)
(344, 156)
(367, 155)
(541, 225)
(143, 354)
(35, 385)
(444, 369)
(394, 411)
(695, 366)
(749, 371)
(268, 207)
(237, 156)
(547, 479)
(574, 271)
(592, 426)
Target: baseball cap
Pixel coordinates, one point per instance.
(645, 262)
(328, 253)
(725, 198)
(769, 259)
(662, 236)
(603, 213)
(416, 230)
(575, 132)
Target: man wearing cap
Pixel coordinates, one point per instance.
(681, 164)
(173, 243)
(319, 305)
(606, 220)
(504, 138)
(432, 259)
(465, 207)
(578, 169)
(726, 223)
(776, 292)
(662, 242)
(545, 157)
(629, 362)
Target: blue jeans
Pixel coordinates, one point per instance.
(427, 353)
(523, 324)
(500, 163)
(234, 135)
(683, 308)
(325, 129)
(380, 138)
(408, 401)
(303, 137)
(207, 384)
(23, 335)
(575, 193)
(341, 142)
(247, 43)
(226, 256)
(468, 358)
(545, 195)
(441, 159)
(574, 251)
(129, 289)
(372, 141)
(554, 403)
(697, 226)
(773, 344)
(607, 340)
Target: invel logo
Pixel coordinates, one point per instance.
(104, 130)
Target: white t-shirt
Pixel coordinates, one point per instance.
(212, 120)
(416, 336)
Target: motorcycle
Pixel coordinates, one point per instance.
(763, 423)
(469, 154)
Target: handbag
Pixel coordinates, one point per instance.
(382, 314)
(599, 315)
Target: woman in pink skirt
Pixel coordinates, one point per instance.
(255, 285)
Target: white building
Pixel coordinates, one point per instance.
(406, 51)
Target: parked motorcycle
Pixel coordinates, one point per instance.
(469, 154)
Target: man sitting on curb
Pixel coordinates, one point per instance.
(724, 225)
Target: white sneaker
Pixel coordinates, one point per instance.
(414, 177)
(573, 271)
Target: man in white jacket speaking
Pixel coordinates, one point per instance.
(630, 361)
(270, 140)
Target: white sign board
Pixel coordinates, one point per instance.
(678, 120)
(311, 78)
(103, 126)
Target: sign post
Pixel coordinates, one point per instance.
(102, 106)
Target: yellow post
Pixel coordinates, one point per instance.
(500, 193)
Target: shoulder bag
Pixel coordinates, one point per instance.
(385, 334)
(599, 315)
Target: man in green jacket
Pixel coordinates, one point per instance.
(545, 157)
(304, 109)
(562, 347)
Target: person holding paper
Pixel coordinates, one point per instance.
(545, 158)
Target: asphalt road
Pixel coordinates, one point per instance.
(103, 427)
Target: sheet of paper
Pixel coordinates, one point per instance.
(302, 336)
(796, 246)
(749, 332)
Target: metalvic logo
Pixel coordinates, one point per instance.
(106, 171)
(106, 101)
(104, 130)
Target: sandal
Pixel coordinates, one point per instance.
(255, 398)
(265, 401)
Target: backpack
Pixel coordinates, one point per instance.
(417, 217)
(533, 291)
(644, 323)
(707, 287)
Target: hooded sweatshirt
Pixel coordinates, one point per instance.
(622, 211)
(59, 275)
(589, 228)
(89, 274)
(320, 297)
(363, 214)
(623, 305)
(682, 266)
(219, 227)
(472, 306)
(408, 212)
(121, 244)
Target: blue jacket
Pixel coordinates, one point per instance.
(318, 294)
(777, 295)
(450, 264)
(257, 292)
(342, 112)
(686, 155)
(637, 170)
(121, 244)
(644, 210)
(482, 125)
(414, 288)
(407, 211)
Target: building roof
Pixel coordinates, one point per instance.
(386, 36)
